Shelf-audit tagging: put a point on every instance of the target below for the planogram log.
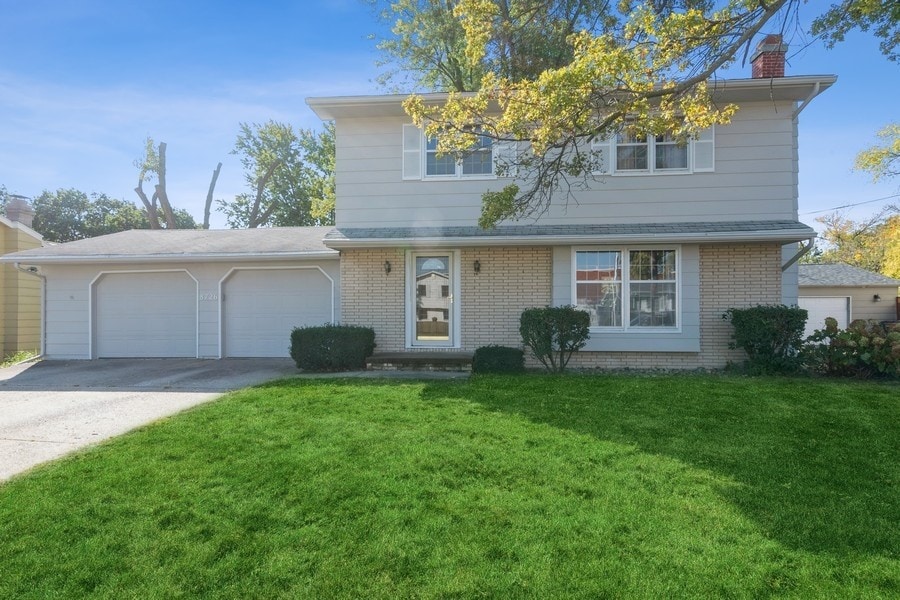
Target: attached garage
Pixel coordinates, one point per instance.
(145, 315)
(261, 306)
(184, 293)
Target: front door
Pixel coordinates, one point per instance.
(431, 299)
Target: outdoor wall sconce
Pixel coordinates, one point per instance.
(876, 298)
(477, 266)
(387, 267)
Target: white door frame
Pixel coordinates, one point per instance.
(455, 299)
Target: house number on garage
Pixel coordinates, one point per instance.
(210, 297)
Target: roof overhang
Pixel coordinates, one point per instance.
(557, 236)
(795, 89)
(28, 259)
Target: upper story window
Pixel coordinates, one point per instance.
(421, 159)
(631, 153)
(628, 288)
(478, 160)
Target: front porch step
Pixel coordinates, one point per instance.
(420, 361)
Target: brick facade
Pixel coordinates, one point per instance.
(510, 280)
(513, 279)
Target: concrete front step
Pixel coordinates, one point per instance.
(420, 361)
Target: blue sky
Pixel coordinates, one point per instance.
(84, 82)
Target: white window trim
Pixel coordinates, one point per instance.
(607, 149)
(626, 287)
(417, 153)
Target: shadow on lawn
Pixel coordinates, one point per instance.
(816, 462)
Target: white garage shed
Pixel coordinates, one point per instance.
(846, 293)
(184, 293)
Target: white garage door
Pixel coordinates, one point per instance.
(146, 315)
(819, 308)
(262, 306)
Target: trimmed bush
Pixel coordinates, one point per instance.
(332, 347)
(498, 359)
(554, 333)
(865, 349)
(770, 335)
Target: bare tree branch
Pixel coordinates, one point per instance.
(209, 195)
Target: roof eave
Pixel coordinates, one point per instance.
(782, 236)
(170, 258)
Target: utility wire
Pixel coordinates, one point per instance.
(815, 212)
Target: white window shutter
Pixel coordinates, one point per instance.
(601, 156)
(506, 155)
(704, 151)
(412, 152)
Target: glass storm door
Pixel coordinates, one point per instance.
(431, 299)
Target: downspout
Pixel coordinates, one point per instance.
(33, 271)
(800, 254)
(817, 89)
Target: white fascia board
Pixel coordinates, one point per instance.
(21, 227)
(781, 236)
(169, 258)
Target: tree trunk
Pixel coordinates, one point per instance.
(152, 215)
(209, 195)
(161, 189)
(256, 219)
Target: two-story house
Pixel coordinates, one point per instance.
(667, 238)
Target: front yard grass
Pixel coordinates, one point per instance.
(497, 487)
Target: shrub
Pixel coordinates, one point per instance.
(865, 349)
(770, 335)
(554, 333)
(332, 347)
(498, 359)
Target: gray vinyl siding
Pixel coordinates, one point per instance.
(687, 339)
(68, 301)
(755, 178)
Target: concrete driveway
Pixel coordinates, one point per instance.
(50, 408)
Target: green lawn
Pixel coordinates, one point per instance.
(497, 487)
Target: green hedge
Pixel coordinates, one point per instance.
(332, 347)
(772, 336)
(498, 359)
(554, 333)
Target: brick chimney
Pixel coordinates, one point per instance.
(18, 209)
(768, 58)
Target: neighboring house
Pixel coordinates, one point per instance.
(663, 244)
(20, 294)
(846, 293)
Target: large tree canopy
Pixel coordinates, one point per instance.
(291, 175)
(872, 244)
(643, 71)
(882, 17)
(69, 214)
(882, 161)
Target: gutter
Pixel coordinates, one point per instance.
(565, 240)
(33, 271)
